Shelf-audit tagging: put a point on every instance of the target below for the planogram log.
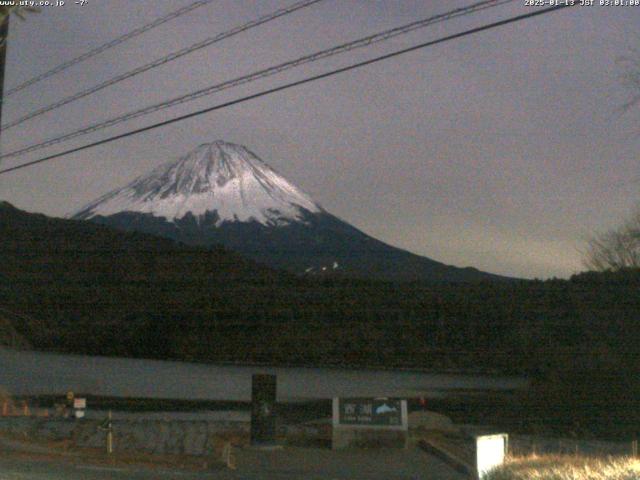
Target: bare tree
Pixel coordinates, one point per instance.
(18, 12)
(616, 249)
(631, 77)
(619, 248)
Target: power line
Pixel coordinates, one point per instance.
(362, 42)
(4, 33)
(293, 84)
(108, 45)
(161, 61)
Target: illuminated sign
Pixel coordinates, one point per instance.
(490, 452)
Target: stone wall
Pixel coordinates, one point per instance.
(152, 436)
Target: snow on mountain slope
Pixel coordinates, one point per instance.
(223, 194)
(217, 177)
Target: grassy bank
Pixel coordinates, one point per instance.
(552, 467)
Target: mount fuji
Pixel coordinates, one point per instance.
(222, 193)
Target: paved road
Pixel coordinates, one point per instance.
(321, 464)
(285, 464)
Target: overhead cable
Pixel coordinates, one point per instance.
(292, 84)
(106, 46)
(162, 61)
(322, 54)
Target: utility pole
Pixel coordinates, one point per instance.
(4, 34)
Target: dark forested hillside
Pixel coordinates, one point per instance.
(96, 290)
(78, 287)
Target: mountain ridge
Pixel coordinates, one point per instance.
(222, 193)
(217, 176)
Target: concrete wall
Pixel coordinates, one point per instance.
(151, 436)
(344, 438)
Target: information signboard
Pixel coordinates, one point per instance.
(370, 412)
(365, 422)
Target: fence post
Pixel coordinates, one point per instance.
(107, 426)
(228, 457)
(110, 436)
(634, 448)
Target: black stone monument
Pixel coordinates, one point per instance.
(263, 417)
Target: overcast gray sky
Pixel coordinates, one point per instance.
(502, 150)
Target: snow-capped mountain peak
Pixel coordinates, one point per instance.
(218, 177)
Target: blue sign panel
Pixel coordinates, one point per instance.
(370, 411)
